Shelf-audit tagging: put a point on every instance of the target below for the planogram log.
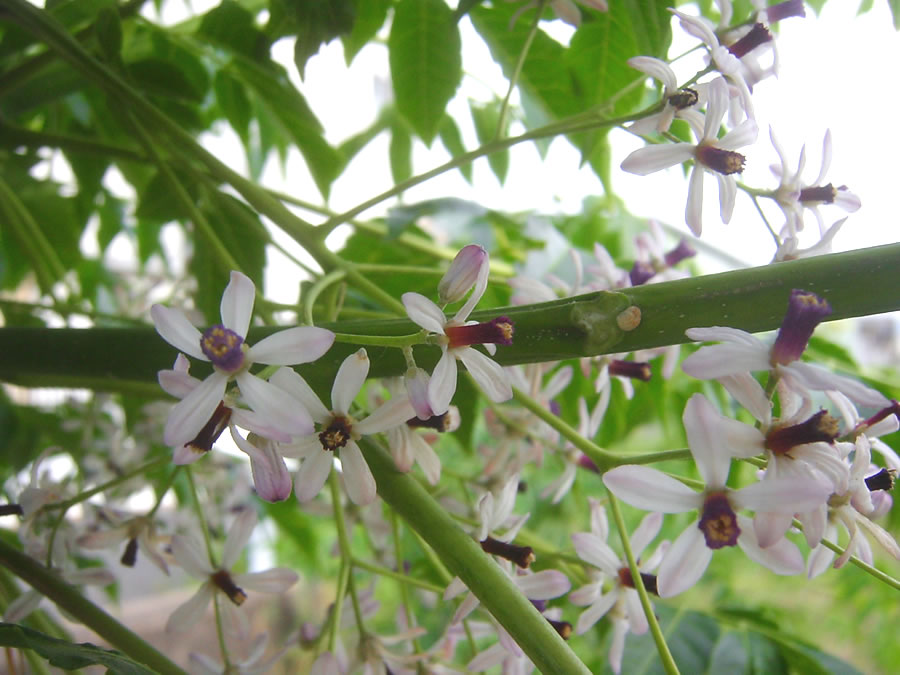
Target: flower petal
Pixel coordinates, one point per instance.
(275, 580)
(189, 614)
(645, 533)
(685, 562)
(302, 344)
(424, 312)
(443, 383)
(693, 210)
(192, 413)
(595, 551)
(715, 439)
(391, 414)
(348, 381)
(312, 474)
(489, 375)
(543, 585)
(174, 327)
(358, 478)
(782, 558)
(719, 360)
(652, 158)
(297, 387)
(237, 303)
(651, 490)
(819, 379)
(190, 556)
(177, 383)
(595, 612)
(781, 495)
(238, 536)
(285, 413)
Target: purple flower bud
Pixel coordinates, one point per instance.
(641, 273)
(635, 370)
(498, 331)
(805, 312)
(462, 274)
(785, 10)
(681, 252)
(416, 381)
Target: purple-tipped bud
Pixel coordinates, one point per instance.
(820, 428)
(462, 274)
(416, 381)
(641, 273)
(681, 252)
(884, 413)
(785, 10)
(635, 370)
(522, 556)
(586, 462)
(718, 521)
(805, 312)
(499, 331)
(758, 35)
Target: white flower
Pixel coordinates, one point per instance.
(339, 431)
(194, 559)
(456, 338)
(224, 345)
(677, 100)
(710, 154)
(713, 440)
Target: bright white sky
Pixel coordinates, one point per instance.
(833, 75)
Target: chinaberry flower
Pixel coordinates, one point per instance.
(740, 353)
(224, 346)
(713, 441)
(677, 100)
(455, 337)
(338, 430)
(710, 154)
(218, 579)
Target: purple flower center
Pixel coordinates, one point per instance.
(627, 580)
(641, 273)
(681, 252)
(497, 332)
(635, 370)
(718, 521)
(805, 312)
(222, 346)
(222, 579)
(336, 434)
(721, 161)
(820, 428)
(758, 35)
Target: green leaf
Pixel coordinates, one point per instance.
(370, 16)
(452, 140)
(68, 655)
(729, 655)
(162, 78)
(426, 65)
(318, 22)
(108, 31)
(112, 214)
(811, 661)
(234, 104)
(400, 151)
(486, 117)
(895, 12)
(231, 26)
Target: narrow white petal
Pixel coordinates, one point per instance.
(594, 613)
(685, 562)
(302, 344)
(586, 595)
(443, 383)
(652, 158)
(489, 375)
(637, 620)
(750, 394)
(174, 327)
(781, 495)
(481, 283)
(189, 614)
(429, 461)
(485, 508)
(358, 476)
(469, 603)
(424, 312)
(723, 359)
(284, 412)
(716, 107)
(237, 303)
(645, 533)
(704, 427)
(819, 379)
(593, 550)
(297, 387)
(275, 580)
(651, 490)
(693, 211)
(312, 474)
(617, 646)
(238, 536)
(770, 527)
(177, 383)
(727, 195)
(190, 556)
(348, 381)
(543, 585)
(656, 69)
(743, 134)
(387, 416)
(192, 413)
(782, 558)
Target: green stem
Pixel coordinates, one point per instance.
(198, 508)
(344, 545)
(464, 557)
(664, 654)
(69, 599)
(404, 590)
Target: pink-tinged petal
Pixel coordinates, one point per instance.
(387, 416)
(645, 533)
(462, 273)
(651, 490)
(297, 387)
(543, 585)
(90, 576)
(428, 461)
(726, 334)
(285, 413)
(348, 381)
(685, 562)
(416, 381)
(696, 27)
(424, 312)
(819, 379)
(238, 536)
(326, 664)
(192, 413)
(177, 383)
(656, 69)
(489, 375)
(454, 588)
(782, 558)
(481, 283)
(189, 614)
(486, 511)
(258, 424)
(595, 612)
(271, 477)
(302, 344)
(586, 595)
(400, 444)
(302, 448)
(814, 524)
(484, 660)
(637, 620)
(819, 560)
(781, 495)
(443, 383)
(771, 527)
(714, 361)
(617, 646)
(558, 382)
(185, 454)
(468, 605)
(727, 195)
(312, 474)
(693, 211)
(174, 327)
(653, 158)
(190, 556)
(237, 303)
(716, 107)
(275, 580)
(595, 551)
(358, 478)
(103, 539)
(704, 425)
(599, 521)
(750, 394)
(743, 134)
(882, 536)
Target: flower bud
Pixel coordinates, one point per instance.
(463, 273)
(416, 381)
